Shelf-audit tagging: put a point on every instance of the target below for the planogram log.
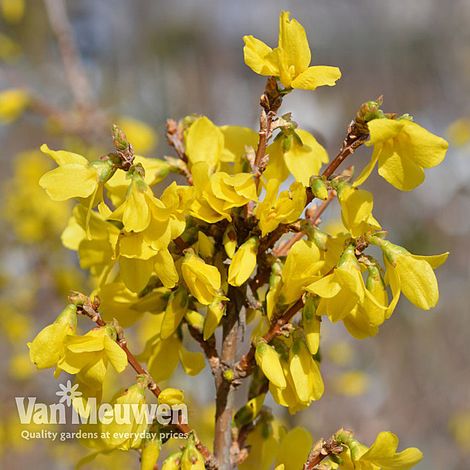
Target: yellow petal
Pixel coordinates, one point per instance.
(69, 181)
(260, 57)
(62, 157)
(315, 76)
(418, 281)
(269, 361)
(399, 171)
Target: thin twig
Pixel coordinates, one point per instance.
(321, 450)
(74, 69)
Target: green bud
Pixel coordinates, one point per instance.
(319, 187)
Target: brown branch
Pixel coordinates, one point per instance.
(175, 139)
(321, 450)
(74, 69)
(225, 385)
(90, 309)
(270, 102)
(209, 348)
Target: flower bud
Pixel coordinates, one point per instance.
(150, 454)
(319, 187)
(192, 459)
(171, 396)
(172, 462)
(230, 240)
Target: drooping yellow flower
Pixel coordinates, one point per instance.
(171, 396)
(48, 347)
(365, 319)
(298, 154)
(411, 274)
(305, 373)
(284, 208)
(202, 280)
(356, 210)
(243, 262)
(13, 102)
(290, 61)
(301, 268)
(125, 434)
(402, 149)
(343, 290)
(174, 313)
(215, 312)
(192, 459)
(88, 356)
(269, 362)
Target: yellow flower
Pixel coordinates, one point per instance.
(382, 454)
(298, 154)
(48, 348)
(305, 373)
(174, 313)
(192, 459)
(365, 319)
(171, 396)
(220, 192)
(290, 61)
(283, 209)
(12, 10)
(215, 312)
(13, 102)
(301, 268)
(150, 453)
(269, 362)
(202, 280)
(125, 435)
(411, 274)
(356, 210)
(402, 149)
(343, 290)
(243, 262)
(88, 356)
(74, 177)
(294, 449)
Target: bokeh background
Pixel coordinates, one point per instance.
(148, 60)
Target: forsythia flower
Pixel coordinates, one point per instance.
(243, 262)
(301, 268)
(365, 319)
(171, 396)
(125, 435)
(192, 459)
(48, 348)
(411, 274)
(269, 361)
(298, 154)
(382, 454)
(290, 61)
(220, 192)
(12, 104)
(88, 356)
(283, 209)
(402, 149)
(356, 210)
(343, 290)
(74, 177)
(202, 280)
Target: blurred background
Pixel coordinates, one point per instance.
(148, 60)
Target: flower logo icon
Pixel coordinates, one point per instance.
(68, 393)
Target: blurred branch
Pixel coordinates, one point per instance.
(74, 70)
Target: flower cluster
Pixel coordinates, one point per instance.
(239, 242)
